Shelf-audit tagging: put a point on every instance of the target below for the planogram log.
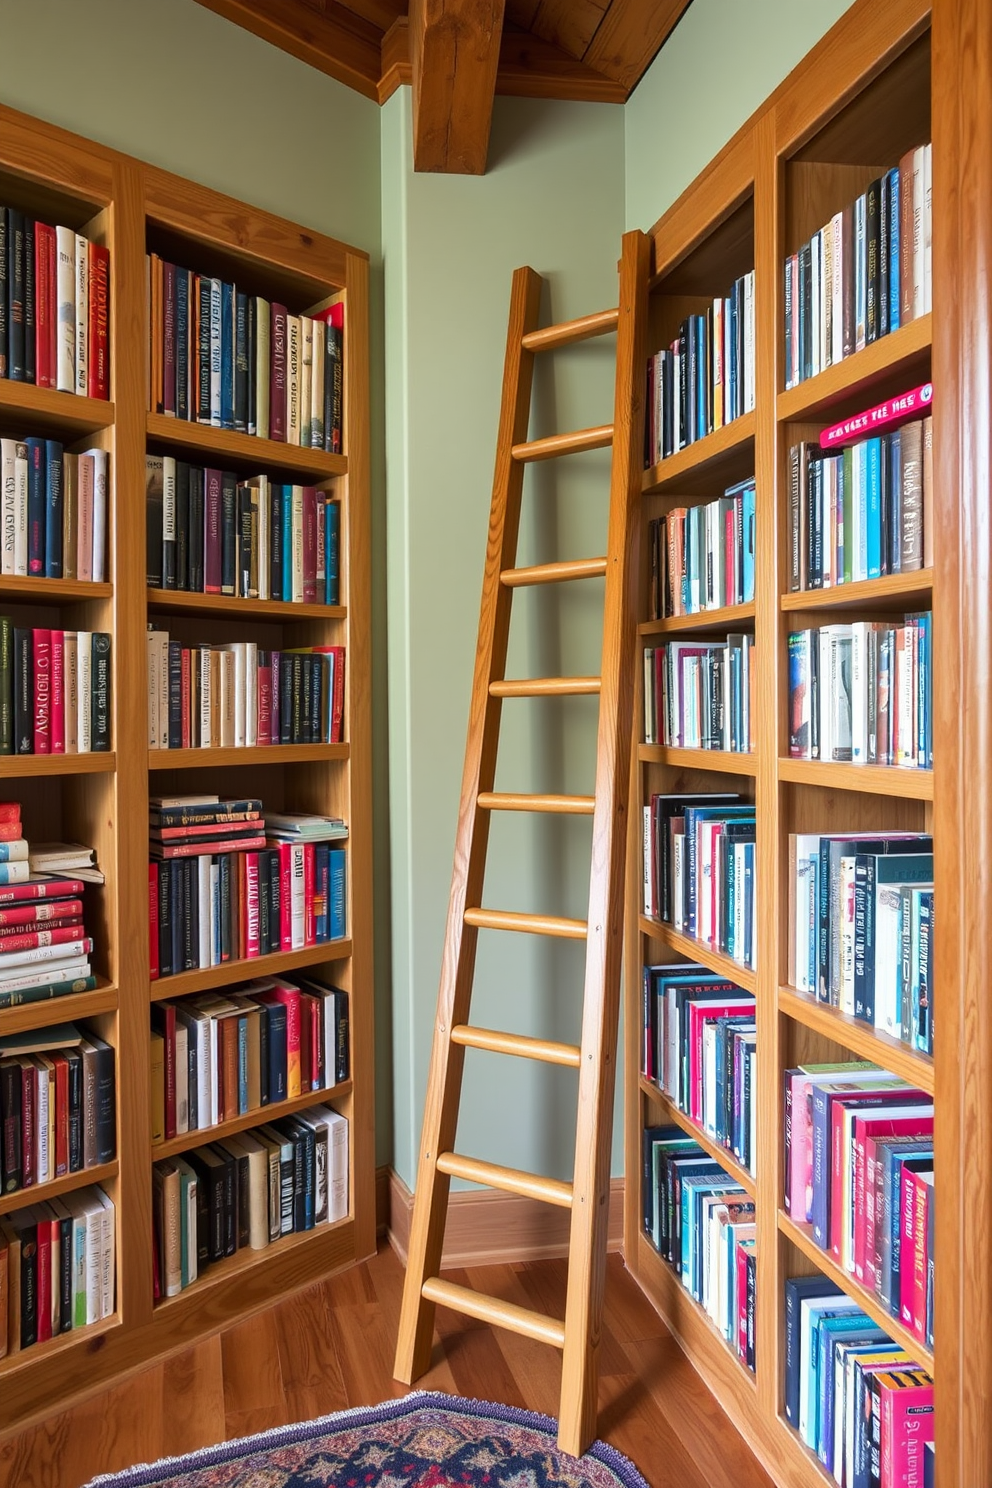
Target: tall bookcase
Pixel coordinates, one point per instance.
(102, 799)
(884, 79)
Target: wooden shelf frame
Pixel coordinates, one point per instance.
(709, 1144)
(259, 1116)
(726, 618)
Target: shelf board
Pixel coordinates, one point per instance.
(696, 950)
(221, 444)
(801, 1236)
(910, 344)
(708, 1143)
(51, 591)
(248, 969)
(857, 1036)
(102, 999)
(183, 602)
(77, 1338)
(51, 411)
(704, 620)
(873, 780)
(257, 1117)
(21, 1198)
(58, 764)
(705, 463)
(726, 761)
(262, 754)
(910, 589)
(692, 1327)
(246, 1259)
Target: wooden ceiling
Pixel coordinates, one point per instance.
(458, 53)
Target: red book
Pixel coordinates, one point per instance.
(153, 921)
(867, 1100)
(265, 697)
(28, 940)
(44, 305)
(285, 852)
(913, 404)
(306, 1044)
(44, 1280)
(43, 692)
(167, 835)
(186, 726)
(40, 888)
(212, 499)
(164, 1022)
(309, 545)
(29, 1087)
(309, 888)
(909, 1125)
(252, 945)
(58, 692)
(31, 916)
(98, 368)
(277, 373)
(316, 1045)
(61, 1114)
(742, 1303)
(196, 849)
(923, 1198)
(11, 831)
(169, 338)
(289, 996)
(10, 811)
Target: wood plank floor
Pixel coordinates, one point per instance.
(332, 1347)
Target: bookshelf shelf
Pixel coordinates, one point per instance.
(729, 617)
(258, 1117)
(876, 780)
(102, 999)
(900, 591)
(23, 1197)
(691, 1325)
(52, 591)
(87, 1339)
(801, 1236)
(671, 1112)
(865, 1042)
(50, 412)
(16, 765)
(246, 970)
(711, 463)
(309, 466)
(696, 950)
(906, 350)
(182, 602)
(262, 754)
(724, 761)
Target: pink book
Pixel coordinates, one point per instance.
(741, 1302)
(277, 383)
(84, 515)
(309, 881)
(698, 1013)
(923, 1198)
(58, 692)
(913, 404)
(909, 1125)
(309, 545)
(252, 943)
(285, 851)
(43, 692)
(907, 1425)
(907, 1222)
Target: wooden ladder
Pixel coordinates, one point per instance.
(587, 1196)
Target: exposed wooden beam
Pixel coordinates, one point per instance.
(380, 13)
(631, 33)
(454, 51)
(333, 39)
(569, 24)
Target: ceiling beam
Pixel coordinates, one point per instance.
(333, 40)
(454, 53)
(631, 34)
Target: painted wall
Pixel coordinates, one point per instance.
(553, 198)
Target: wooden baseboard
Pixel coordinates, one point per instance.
(382, 1201)
(486, 1228)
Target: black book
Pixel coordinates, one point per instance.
(244, 540)
(65, 1273)
(191, 914)
(885, 216)
(333, 389)
(100, 687)
(106, 1101)
(305, 1205)
(6, 685)
(264, 929)
(24, 691)
(15, 295)
(275, 1015)
(286, 700)
(228, 532)
(342, 1041)
(210, 1167)
(175, 694)
(805, 311)
(242, 1193)
(292, 1133)
(30, 369)
(224, 868)
(241, 362)
(74, 1059)
(165, 964)
(873, 279)
(4, 291)
(252, 342)
(230, 1200)
(154, 495)
(182, 525)
(27, 1232)
(194, 540)
(10, 1114)
(263, 1049)
(275, 893)
(275, 540)
(302, 688)
(53, 509)
(203, 391)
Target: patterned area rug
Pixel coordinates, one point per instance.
(425, 1440)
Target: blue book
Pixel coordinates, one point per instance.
(332, 552)
(750, 529)
(182, 343)
(734, 392)
(53, 509)
(287, 542)
(813, 1315)
(5, 857)
(834, 1333)
(895, 502)
(275, 540)
(694, 815)
(5, 873)
(37, 520)
(748, 905)
(894, 285)
(202, 392)
(338, 892)
(275, 1013)
(322, 884)
(873, 549)
(216, 352)
(243, 1064)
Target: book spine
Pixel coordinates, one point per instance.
(98, 384)
(65, 369)
(54, 509)
(278, 373)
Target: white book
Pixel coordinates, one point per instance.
(43, 1123)
(203, 866)
(84, 672)
(888, 959)
(8, 504)
(837, 289)
(919, 230)
(297, 545)
(739, 905)
(337, 1203)
(215, 352)
(71, 684)
(317, 386)
(54, 971)
(263, 334)
(37, 956)
(152, 653)
(827, 296)
(163, 689)
(678, 881)
(87, 1214)
(251, 694)
(189, 1218)
(234, 681)
(182, 1078)
(206, 736)
(297, 900)
(816, 302)
(860, 286)
(859, 692)
(808, 1373)
(65, 294)
(927, 228)
(168, 517)
(82, 314)
(264, 538)
(101, 476)
(749, 342)
(228, 700)
(20, 509)
(306, 378)
(108, 1231)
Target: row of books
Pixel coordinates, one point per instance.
(705, 378)
(218, 1056)
(859, 1170)
(44, 948)
(699, 873)
(698, 694)
(865, 273)
(863, 693)
(699, 1048)
(57, 1267)
(233, 360)
(54, 307)
(702, 557)
(247, 1190)
(862, 512)
(701, 1221)
(237, 696)
(227, 884)
(859, 1401)
(860, 932)
(55, 690)
(57, 1105)
(209, 532)
(53, 511)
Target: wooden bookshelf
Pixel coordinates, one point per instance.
(102, 799)
(726, 618)
(861, 98)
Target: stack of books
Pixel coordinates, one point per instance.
(238, 696)
(57, 1105)
(865, 273)
(223, 888)
(701, 1221)
(55, 690)
(247, 1190)
(53, 510)
(209, 532)
(699, 1048)
(705, 379)
(702, 557)
(698, 694)
(863, 693)
(61, 858)
(860, 932)
(55, 285)
(44, 948)
(58, 1260)
(218, 1056)
(859, 1401)
(222, 357)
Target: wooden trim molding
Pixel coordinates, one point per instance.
(491, 1229)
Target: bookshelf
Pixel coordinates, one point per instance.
(860, 99)
(102, 799)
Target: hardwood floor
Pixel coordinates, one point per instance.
(332, 1347)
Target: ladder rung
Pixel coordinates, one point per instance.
(495, 1042)
(544, 687)
(553, 573)
(529, 924)
(564, 444)
(556, 805)
(569, 331)
(493, 1310)
(507, 1180)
